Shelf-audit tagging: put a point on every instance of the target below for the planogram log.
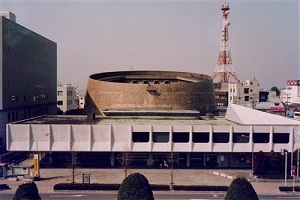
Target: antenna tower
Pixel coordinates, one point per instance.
(224, 69)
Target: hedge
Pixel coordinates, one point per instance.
(200, 188)
(97, 186)
(4, 187)
(82, 186)
(289, 188)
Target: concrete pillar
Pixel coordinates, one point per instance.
(112, 159)
(188, 159)
(150, 160)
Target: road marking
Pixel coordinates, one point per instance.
(66, 196)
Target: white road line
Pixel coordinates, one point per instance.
(66, 196)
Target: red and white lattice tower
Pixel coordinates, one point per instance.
(224, 67)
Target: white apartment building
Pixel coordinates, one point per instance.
(81, 98)
(245, 93)
(66, 97)
(291, 94)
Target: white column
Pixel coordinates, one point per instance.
(112, 159)
(188, 159)
(150, 160)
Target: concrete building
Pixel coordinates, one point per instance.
(28, 74)
(137, 91)
(291, 94)
(247, 94)
(67, 98)
(150, 129)
(81, 98)
(228, 141)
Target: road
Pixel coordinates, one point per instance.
(158, 196)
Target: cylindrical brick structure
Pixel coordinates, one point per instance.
(150, 90)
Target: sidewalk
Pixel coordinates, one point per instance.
(50, 177)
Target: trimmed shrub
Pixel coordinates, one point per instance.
(135, 187)
(239, 189)
(27, 191)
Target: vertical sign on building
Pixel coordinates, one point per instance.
(36, 166)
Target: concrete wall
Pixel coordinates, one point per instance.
(118, 138)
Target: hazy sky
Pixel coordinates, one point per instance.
(99, 36)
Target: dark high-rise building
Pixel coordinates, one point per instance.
(28, 78)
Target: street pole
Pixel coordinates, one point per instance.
(37, 158)
(298, 162)
(172, 167)
(252, 154)
(285, 168)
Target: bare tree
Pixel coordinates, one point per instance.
(125, 159)
(170, 164)
(73, 163)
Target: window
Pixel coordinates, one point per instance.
(8, 117)
(59, 93)
(181, 137)
(261, 137)
(161, 137)
(140, 137)
(241, 137)
(201, 137)
(14, 99)
(246, 98)
(60, 103)
(69, 93)
(220, 137)
(281, 138)
(246, 90)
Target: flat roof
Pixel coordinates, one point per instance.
(71, 119)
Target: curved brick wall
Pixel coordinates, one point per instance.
(150, 90)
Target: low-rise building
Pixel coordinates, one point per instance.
(66, 98)
(229, 141)
(291, 94)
